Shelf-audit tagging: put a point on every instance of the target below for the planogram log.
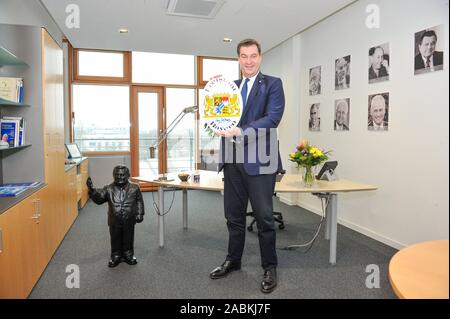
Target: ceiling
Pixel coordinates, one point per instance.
(151, 29)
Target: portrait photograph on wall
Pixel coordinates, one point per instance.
(314, 117)
(342, 73)
(429, 50)
(342, 114)
(378, 112)
(315, 80)
(379, 63)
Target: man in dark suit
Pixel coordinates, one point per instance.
(377, 114)
(342, 73)
(251, 176)
(341, 115)
(428, 57)
(379, 65)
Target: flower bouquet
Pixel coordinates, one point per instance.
(308, 156)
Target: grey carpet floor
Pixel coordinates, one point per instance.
(180, 270)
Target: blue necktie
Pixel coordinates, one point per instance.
(244, 93)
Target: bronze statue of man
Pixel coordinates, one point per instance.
(125, 209)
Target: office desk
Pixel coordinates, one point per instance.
(421, 271)
(212, 181)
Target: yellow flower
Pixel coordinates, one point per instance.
(316, 152)
(292, 155)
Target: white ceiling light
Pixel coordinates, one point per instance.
(206, 9)
(123, 30)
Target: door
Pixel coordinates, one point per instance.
(147, 157)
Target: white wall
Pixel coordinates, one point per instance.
(288, 133)
(29, 12)
(409, 163)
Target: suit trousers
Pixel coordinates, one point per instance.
(239, 188)
(122, 240)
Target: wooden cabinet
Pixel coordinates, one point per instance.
(31, 231)
(84, 174)
(22, 253)
(71, 209)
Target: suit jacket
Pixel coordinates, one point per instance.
(123, 211)
(381, 73)
(264, 110)
(438, 59)
(345, 127)
(371, 126)
(346, 84)
(313, 127)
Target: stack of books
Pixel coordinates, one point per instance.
(12, 129)
(14, 189)
(11, 89)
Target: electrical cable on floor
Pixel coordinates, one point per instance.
(155, 206)
(310, 243)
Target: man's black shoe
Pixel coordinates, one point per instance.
(223, 270)
(114, 261)
(130, 260)
(269, 281)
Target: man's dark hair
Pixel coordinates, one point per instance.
(372, 50)
(428, 33)
(247, 43)
(127, 171)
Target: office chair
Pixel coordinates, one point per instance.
(277, 216)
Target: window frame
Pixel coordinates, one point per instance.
(200, 81)
(126, 78)
(75, 78)
(72, 113)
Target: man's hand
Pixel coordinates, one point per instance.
(139, 219)
(235, 131)
(89, 183)
(385, 63)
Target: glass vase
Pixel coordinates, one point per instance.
(308, 176)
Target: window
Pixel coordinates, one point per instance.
(101, 117)
(101, 66)
(159, 68)
(181, 141)
(211, 67)
(101, 100)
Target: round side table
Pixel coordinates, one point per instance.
(420, 271)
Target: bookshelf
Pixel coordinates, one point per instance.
(10, 150)
(4, 102)
(9, 59)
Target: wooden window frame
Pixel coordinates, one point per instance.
(75, 78)
(200, 81)
(126, 78)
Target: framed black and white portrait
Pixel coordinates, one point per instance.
(429, 50)
(342, 73)
(378, 112)
(379, 63)
(342, 114)
(314, 117)
(315, 80)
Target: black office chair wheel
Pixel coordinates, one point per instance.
(281, 226)
(250, 228)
